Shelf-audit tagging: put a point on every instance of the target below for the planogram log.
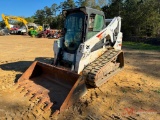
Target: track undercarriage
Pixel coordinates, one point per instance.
(99, 71)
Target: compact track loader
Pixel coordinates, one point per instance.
(88, 54)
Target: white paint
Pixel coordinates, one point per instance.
(84, 55)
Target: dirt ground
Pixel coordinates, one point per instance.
(132, 94)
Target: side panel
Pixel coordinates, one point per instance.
(118, 44)
(113, 31)
(85, 50)
(86, 59)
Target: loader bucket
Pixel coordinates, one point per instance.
(55, 87)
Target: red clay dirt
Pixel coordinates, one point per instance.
(132, 94)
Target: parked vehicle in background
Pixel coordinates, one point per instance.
(4, 31)
(23, 30)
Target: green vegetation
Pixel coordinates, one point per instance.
(124, 90)
(139, 17)
(157, 91)
(2, 24)
(139, 91)
(53, 15)
(140, 46)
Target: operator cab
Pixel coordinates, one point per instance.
(80, 25)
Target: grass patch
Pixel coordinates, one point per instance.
(123, 90)
(157, 91)
(140, 46)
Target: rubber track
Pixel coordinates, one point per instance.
(92, 70)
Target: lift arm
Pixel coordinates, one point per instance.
(6, 18)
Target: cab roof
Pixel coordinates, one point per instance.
(85, 10)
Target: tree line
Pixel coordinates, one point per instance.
(139, 17)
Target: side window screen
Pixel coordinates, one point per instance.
(91, 22)
(95, 25)
(98, 23)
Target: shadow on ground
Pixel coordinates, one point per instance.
(21, 66)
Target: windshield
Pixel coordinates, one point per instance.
(74, 27)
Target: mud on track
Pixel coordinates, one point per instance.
(133, 94)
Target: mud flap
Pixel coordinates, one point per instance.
(56, 87)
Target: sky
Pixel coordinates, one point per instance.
(24, 8)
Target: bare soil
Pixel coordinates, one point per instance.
(132, 94)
